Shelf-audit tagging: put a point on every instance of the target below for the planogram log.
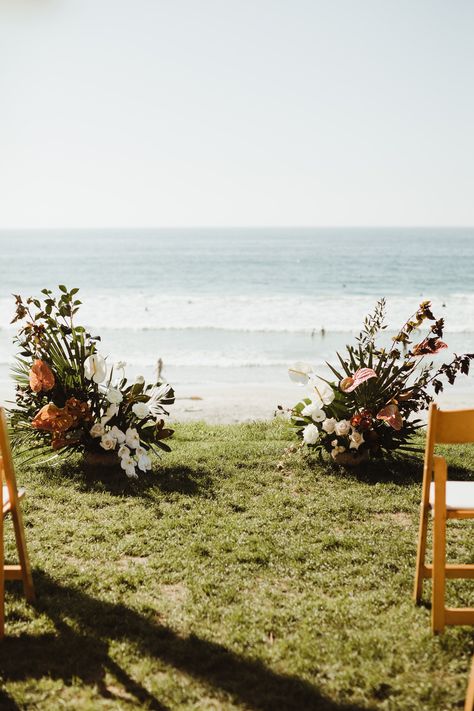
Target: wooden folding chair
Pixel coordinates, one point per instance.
(445, 499)
(9, 502)
(469, 703)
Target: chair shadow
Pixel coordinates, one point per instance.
(81, 651)
(180, 479)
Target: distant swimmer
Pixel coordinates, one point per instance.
(323, 332)
(159, 368)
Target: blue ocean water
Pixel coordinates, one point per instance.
(238, 305)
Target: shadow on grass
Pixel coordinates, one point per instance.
(81, 651)
(403, 471)
(181, 479)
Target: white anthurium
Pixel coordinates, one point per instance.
(299, 373)
(95, 368)
(323, 394)
(108, 442)
(343, 427)
(141, 410)
(310, 434)
(356, 439)
(132, 438)
(97, 430)
(117, 434)
(114, 396)
(329, 425)
(314, 411)
(110, 412)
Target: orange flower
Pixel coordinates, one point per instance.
(53, 419)
(41, 377)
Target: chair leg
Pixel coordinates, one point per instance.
(26, 575)
(439, 562)
(421, 552)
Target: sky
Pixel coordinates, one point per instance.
(156, 113)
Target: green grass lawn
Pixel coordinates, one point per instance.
(226, 580)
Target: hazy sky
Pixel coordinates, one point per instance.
(236, 112)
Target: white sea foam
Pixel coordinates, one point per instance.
(342, 312)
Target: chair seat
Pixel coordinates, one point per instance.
(459, 495)
(6, 498)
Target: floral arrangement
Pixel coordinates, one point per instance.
(367, 410)
(68, 399)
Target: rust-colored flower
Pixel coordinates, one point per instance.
(41, 377)
(362, 420)
(78, 409)
(429, 346)
(391, 415)
(52, 419)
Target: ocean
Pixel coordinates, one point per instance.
(237, 306)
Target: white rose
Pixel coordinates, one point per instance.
(108, 442)
(141, 410)
(95, 368)
(114, 396)
(343, 427)
(329, 425)
(132, 438)
(312, 410)
(310, 434)
(144, 463)
(117, 434)
(336, 451)
(356, 439)
(299, 372)
(97, 430)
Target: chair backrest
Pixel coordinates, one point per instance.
(7, 470)
(445, 427)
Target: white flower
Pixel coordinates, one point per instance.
(313, 410)
(144, 463)
(336, 451)
(111, 412)
(310, 434)
(356, 439)
(299, 372)
(140, 380)
(123, 451)
(329, 425)
(108, 442)
(97, 430)
(343, 427)
(132, 438)
(114, 396)
(117, 434)
(141, 410)
(95, 368)
(323, 393)
(128, 465)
